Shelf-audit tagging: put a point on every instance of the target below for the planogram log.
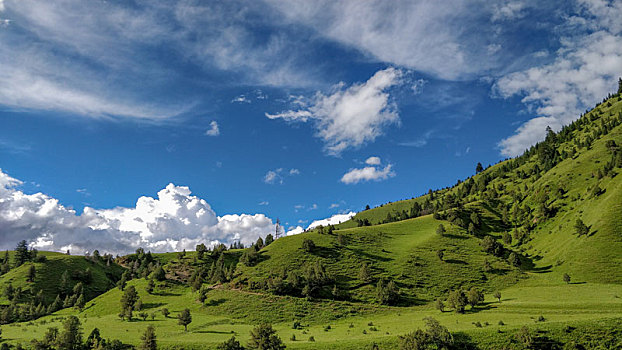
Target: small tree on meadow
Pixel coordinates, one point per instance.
(514, 259)
(474, 297)
(479, 168)
(264, 337)
(457, 301)
(440, 230)
(566, 278)
(165, 312)
(440, 305)
(497, 295)
(150, 286)
(308, 245)
(184, 319)
(580, 227)
(440, 253)
(148, 339)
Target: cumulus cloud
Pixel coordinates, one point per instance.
(214, 130)
(350, 117)
(585, 69)
(373, 172)
(174, 220)
(333, 220)
(295, 230)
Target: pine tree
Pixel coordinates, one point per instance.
(264, 337)
(620, 85)
(71, 337)
(21, 253)
(364, 273)
(148, 339)
(64, 283)
(479, 168)
(32, 273)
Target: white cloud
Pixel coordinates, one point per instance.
(373, 161)
(295, 230)
(418, 85)
(214, 130)
(241, 99)
(508, 11)
(264, 203)
(334, 205)
(350, 117)
(272, 177)
(278, 175)
(585, 70)
(174, 220)
(445, 39)
(366, 174)
(333, 220)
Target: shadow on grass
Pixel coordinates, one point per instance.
(450, 235)
(213, 332)
(152, 305)
(456, 261)
(215, 302)
(362, 253)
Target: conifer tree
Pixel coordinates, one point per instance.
(148, 339)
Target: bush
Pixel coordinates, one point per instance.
(308, 245)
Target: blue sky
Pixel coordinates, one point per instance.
(271, 109)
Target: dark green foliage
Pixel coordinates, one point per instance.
(497, 295)
(475, 296)
(364, 273)
(457, 301)
(514, 260)
(32, 273)
(249, 257)
(184, 319)
(440, 253)
(387, 292)
(269, 239)
(21, 254)
(491, 246)
(148, 339)
(440, 230)
(566, 278)
(263, 337)
(71, 337)
(580, 228)
(201, 249)
(165, 312)
(158, 274)
(308, 245)
(435, 336)
(230, 344)
(128, 302)
(479, 168)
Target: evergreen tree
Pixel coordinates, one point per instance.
(231, 344)
(364, 273)
(158, 274)
(184, 319)
(128, 301)
(263, 337)
(148, 339)
(56, 305)
(21, 253)
(165, 312)
(201, 249)
(497, 295)
(150, 286)
(80, 302)
(32, 273)
(308, 245)
(514, 260)
(474, 297)
(71, 337)
(269, 239)
(619, 85)
(479, 168)
(566, 278)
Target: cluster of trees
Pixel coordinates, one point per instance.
(459, 299)
(263, 337)
(140, 264)
(312, 281)
(22, 255)
(250, 256)
(217, 272)
(71, 337)
(435, 336)
(130, 302)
